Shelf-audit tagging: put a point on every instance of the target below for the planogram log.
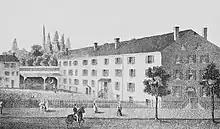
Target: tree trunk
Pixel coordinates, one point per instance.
(156, 111)
(213, 104)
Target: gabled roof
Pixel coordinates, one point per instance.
(8, 58)
(147, 44)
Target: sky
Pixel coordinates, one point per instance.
(89, 21)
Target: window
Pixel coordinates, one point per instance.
(70, 88)
(191, 74)
(59, 63)
(105, 72)
(117, 86)
(65, 63)
(85, 72)
(177, 74)
(106, 61)
(85, 62)
(70, 81)
(191, 59)
(176, 91)
(118, 72)
(64, 81)
(7, 79)
(94, 72)
(118, 97)
(118, 60)
(204, 58)
(130, 99)
(93, 83)
(146, 72)
(7, 73)
(70, 72)
(85, 82)
(17, 73)
(132, 72)
(13, 65)
(131, 60)
(149, 59)
(64, 72)
(70, 63)
(75, 63)
(12, 73)
(76, 72)
(131, 87)
(6, 65)
(94, 62)
(59, 79)
(76, 82)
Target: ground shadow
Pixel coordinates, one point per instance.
(4, 114)
(50, 110)
(82, 127)
(99, 112)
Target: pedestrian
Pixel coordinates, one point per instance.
(95, 108)
(119, 109)
(1, 106)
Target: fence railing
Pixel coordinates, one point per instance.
(31, 103)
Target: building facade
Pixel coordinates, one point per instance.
(9, 73)
(117, 70)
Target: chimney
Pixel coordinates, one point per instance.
(205, 32)
(176, 33)
(117, 41)
(95, 46)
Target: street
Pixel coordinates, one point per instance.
(59, 123)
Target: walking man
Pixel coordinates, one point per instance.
(1, 106)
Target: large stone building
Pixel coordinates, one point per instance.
(117, 70)
(9, 71)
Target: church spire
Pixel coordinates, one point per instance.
(44, 39)
(14, 45)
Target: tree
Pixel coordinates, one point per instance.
(210, 83)
(36, 50)
(53, 62)
(44, 62)
(30, 62)
(38, 61)
(156, 84)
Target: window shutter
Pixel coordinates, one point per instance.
(187, 75)
(187, 59)
(174, 74)
(194, 58)
(181, 74)
(194, 74)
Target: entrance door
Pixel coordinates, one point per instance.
(193, 99)
(12, 83)
(106, 86)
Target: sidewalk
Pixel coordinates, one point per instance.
(144, 113)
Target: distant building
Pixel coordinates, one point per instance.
(9, 71)
(117, 70)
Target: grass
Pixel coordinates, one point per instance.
(24, 94)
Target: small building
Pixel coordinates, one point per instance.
(9, 71)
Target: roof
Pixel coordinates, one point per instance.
(147, 44)
(41, 74)
(8, 58)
